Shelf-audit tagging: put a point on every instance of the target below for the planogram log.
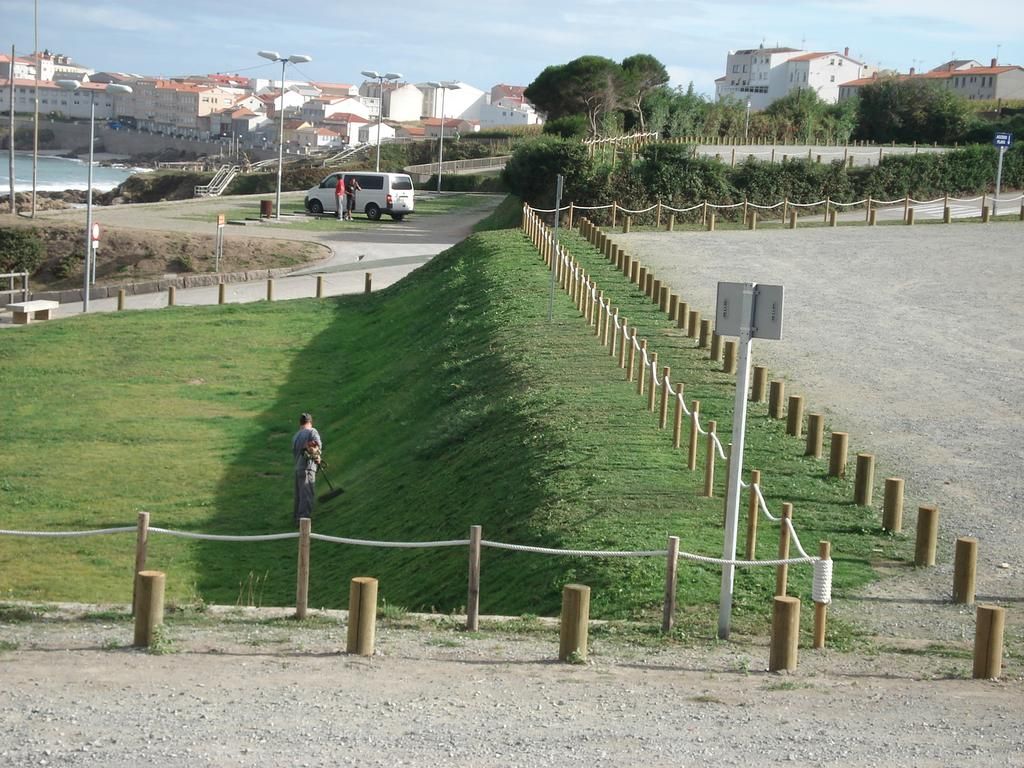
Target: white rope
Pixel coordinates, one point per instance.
(572, 552)
(855, 202)
(592, 207)
(763, 505)
(390, 544)
(645, 210)
(927, 202)
(718, 444)
(807, 205)
(767, 207)
(217, 537)
(821, 588)
(61, 534)
(682, 210)
(723, 206)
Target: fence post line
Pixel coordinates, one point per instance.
(782, 570)
(668, 616)
(753, 509)
(150, 613)
(141, 544)
(965, 564)
(821, 609)
(711, 221)
(988, 642)
(927, 534)
(729, 357)
(682, 316)
(709, 464)
(892, 515)
(654, 293)
(573, 625)
(691, 456)
(759, 385)
(872, 217)
(302, 572)
(705, 333)
(837, 454)
(473, 597)
(785, 634)
(716, 348)
(792, 219)
(776, 396)
(663, 299)
(673, 306)
(693, 325)
(362, 616)
(672, 220)
(632, 355)
(864, 480)
(795, 416)
(641, 368)
(666, 373)
(677, 423)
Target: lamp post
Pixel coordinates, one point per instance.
(380, 78)
(746, 123)
(297, 59)
(74, 85)
(444, 85)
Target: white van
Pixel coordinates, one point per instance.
(390, 193)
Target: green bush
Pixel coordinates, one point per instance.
(21, 250)
(531, 171)
(568, 127)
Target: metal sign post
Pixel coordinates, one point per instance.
(749, 311)
(219, 248)
(95, 242)
(1003, 140)
(554, 256)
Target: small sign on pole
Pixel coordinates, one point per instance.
(749, 311)
(95, 236)
(1003, 140)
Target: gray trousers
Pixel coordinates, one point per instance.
(305, 494)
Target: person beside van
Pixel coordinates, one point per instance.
(339, 197)
(350, 196)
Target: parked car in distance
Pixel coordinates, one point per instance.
(379, 193)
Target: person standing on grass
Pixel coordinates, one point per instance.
(307, 449)
(339, 197)
(350, 196)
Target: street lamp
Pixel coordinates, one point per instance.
(445, 86)
(746, 124)
(74, 85)
(380, 78)
(298, 59)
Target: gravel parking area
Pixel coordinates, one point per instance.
(909, 339)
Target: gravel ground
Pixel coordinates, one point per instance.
(909, 339)
(244, 692)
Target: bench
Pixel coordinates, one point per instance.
(27, 311)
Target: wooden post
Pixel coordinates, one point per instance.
(985, 214)
(319, 286)
(867, 210)
(668, 615)
(759, 386)
(627, 224)
(833, 220)
(141, 545)
(892, 515)
(782, 570)
(906, 207)
(795, 416)
(927, 535)
(828, 209)
(910, 217)
(362, 616)
(170, 296)
(624, 342)
(653, 289)
(785, 634)
(753, 220)
(709, 465)
(302, 572)
(682, 316)
(776, 397)
(572, 633)
(864, 480)
(965, 564)
(837, 454)
(691, 454)
(677, 422)
(641, 368)
(270, 289)
(988, 642)
(473, 598)
(753, 511)
(673, 306)
(368, 283)
(785, 208)
(792, 219)
(663, 299)
(821, 609)
(641, 277)
(872, 217)
(657, 216)
(671, 226)
(711, 221)
(221, 293)
(615, 212)
(120, 299)
(663, 413)
(729, 357)
(693, 326)
(705, 332)
(150, 607)
(716, 347)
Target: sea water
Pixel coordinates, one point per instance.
(56, 174)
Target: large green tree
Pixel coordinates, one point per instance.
(911, 110)
(589, 85)
(642, 74)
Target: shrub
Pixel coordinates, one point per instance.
(531, 171)
(21, 250)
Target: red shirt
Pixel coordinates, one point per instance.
(339, 188)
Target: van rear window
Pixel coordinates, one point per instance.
(402, 182)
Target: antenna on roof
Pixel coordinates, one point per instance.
(803, 43)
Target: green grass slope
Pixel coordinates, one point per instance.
(444, 401)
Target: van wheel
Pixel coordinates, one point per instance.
(397, 216)
(373, 212)
(316, 207)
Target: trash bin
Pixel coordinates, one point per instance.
(266, 209)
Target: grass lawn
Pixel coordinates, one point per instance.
(444, 401)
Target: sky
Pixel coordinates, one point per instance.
(484, 43)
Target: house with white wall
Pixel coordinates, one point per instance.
(763, 75)
(966, 78)
(403, 104)
(463, 102)
(53, 98)
(503, 114)
(368, 133)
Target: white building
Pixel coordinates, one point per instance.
(368, 133)
(53, 98)
(463, 102)
(763, 75)
(966, 78)
(503, 114)
(403, 104)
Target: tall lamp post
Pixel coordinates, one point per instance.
(74, 85)
(298, 59)
(380, 78)
(444, 86)
(746, 123)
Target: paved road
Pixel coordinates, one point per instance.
(387, 249)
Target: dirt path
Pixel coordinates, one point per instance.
(244, 691)
(908, 338)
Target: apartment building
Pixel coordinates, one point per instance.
(55, 100)
(175, 108)
(763, 75)
(967, 78)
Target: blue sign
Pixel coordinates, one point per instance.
(1003, 139)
